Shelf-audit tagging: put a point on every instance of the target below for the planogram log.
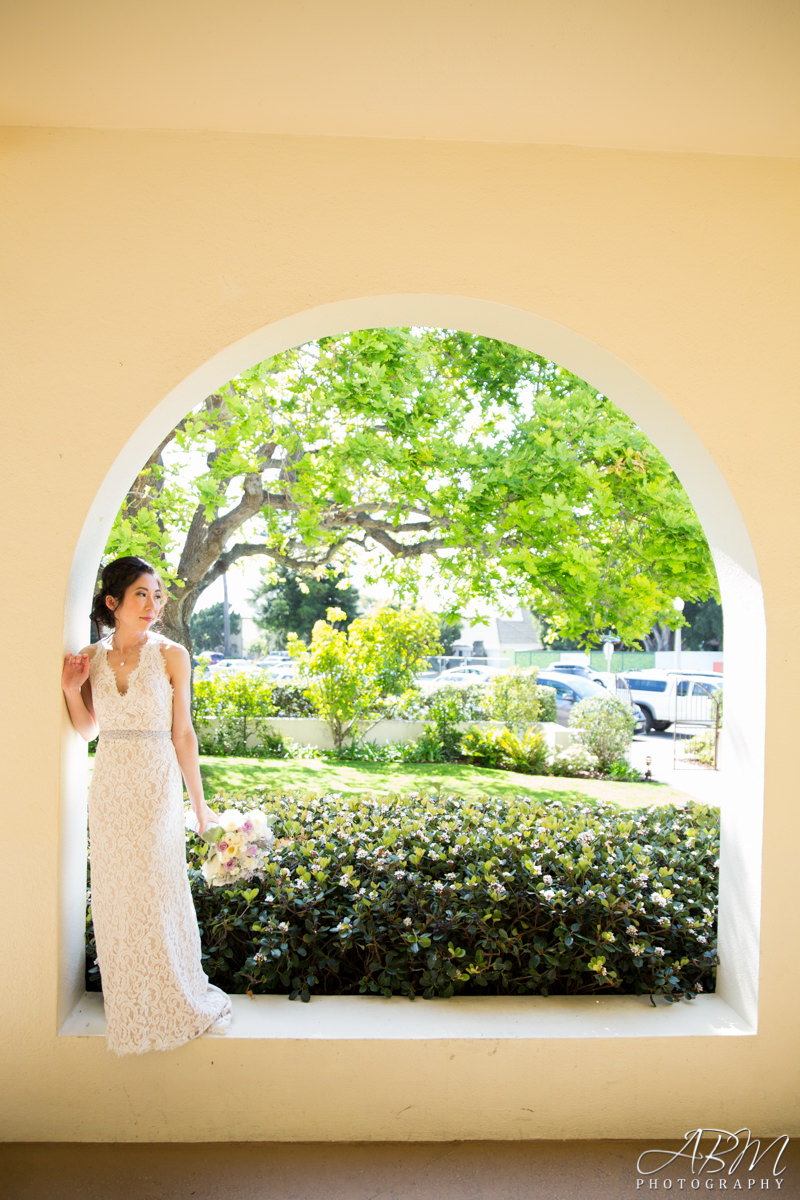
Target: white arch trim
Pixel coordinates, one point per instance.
(733, 1008)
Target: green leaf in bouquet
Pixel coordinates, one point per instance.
(213, 834)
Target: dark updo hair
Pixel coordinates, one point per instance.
(117, 577)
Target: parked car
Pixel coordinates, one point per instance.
(578, 669)
(280, 672)
(571, 688)
(233, 666)
(669, 697)
(464, 676)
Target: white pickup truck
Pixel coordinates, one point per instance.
(675, 697)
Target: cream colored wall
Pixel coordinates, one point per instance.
(133, 259)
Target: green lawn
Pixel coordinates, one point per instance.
(388, 779)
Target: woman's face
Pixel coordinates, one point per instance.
(140, 605)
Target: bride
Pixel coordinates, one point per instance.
(133, 688)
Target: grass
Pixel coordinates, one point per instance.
(317, 775)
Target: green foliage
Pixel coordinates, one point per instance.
(347, 672)
(290, 700)
(605, 726)
(292, 603)
(440, 896)
(574, 762)
(703, 629)
(623, 772)
(701, 748)
(395, 644)
(207, 627)
(372, 752)
(506, 750)
(512, 473)
(449, 633)
(272, 744)
(447, 708)
(231, 703)
(515, 698)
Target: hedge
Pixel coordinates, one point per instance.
(441, 896)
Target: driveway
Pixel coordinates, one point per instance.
(698, 781)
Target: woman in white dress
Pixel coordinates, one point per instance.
(134, 689)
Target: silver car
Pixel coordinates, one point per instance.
(571, 688)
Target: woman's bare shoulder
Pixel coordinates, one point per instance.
(172, 650)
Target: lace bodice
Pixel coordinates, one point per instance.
(147, 704)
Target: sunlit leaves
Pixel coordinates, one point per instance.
(519, 476)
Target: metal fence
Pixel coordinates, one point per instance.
(696, 724)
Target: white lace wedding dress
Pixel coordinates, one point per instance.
(155, 992)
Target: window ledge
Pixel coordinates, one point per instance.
(466, 1018)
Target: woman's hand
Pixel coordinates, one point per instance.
(75, 673)
(205, 817)
(78, 694)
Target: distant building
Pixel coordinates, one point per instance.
(498, 637)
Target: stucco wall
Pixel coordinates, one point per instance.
(136, 259)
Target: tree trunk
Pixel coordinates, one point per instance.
(660, 637)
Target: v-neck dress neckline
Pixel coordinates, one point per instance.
(133, 673)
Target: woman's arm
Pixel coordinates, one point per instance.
(78, 693)
(184, 738)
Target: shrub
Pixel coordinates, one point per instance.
(360, 751)
(441, 738)
(231, 703)
(547, 700)
(701, 748)
(416, 705)
(271, 743)
(506, 750)
(574, 761)
(437, 896)
(348, 671)
(290, 700)
(604, 725)
(515, 698)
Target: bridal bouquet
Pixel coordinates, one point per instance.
(238, 846)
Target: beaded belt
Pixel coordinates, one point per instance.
(135, 733)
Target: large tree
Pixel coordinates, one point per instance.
(515, 476)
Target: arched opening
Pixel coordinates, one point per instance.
(734, 1007)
